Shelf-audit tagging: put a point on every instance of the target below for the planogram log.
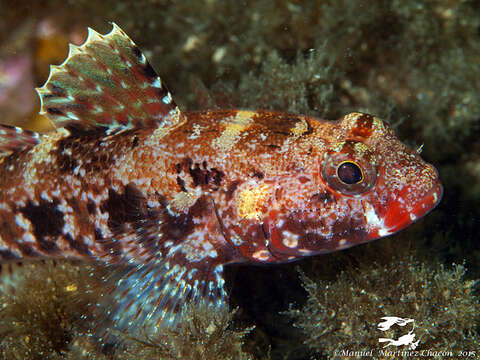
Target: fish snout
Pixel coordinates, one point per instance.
(414, 201)
(412, 196)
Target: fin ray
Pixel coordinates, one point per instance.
(13, 139)
(107, 81)
(154, 297)
(156, 276)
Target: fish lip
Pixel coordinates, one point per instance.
(434, 196)
(398, 217)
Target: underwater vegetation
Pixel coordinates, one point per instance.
(203, 335)
(344, 313)
(44, 307)
(42, 316)
(410, 62)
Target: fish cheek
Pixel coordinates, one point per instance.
(348, 233)
(325, 234)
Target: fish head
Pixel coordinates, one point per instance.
(394, 184)
(367, 185)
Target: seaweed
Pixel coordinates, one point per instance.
(342, 314)
(46, 313)
(202, 335)
(45, 308)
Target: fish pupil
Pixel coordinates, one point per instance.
(349, 173)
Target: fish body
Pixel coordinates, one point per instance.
(169, 197)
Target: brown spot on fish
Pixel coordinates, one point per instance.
(258, 174)
(149, 72)
(47, 223)
(78, 245)
(231, 189)
(181, 184)
(363, 127)
(203, 176)
(54, 111)
(137, 52)
(122, 208)
(91, 207)
(135, 142)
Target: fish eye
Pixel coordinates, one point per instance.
(349, 168)
(349, 173)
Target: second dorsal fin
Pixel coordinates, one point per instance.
(13, 139)
(107, 81)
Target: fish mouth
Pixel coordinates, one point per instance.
(401, 215)
(429, 202)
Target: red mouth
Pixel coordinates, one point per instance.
(399, 214)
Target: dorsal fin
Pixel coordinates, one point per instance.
(13, 138)
(107, 81)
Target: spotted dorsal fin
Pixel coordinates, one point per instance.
(107, 81)
(13, 139)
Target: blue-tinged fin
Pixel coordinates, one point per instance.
(163, 268)
(152, 296)
(13, 139)
(107, 81)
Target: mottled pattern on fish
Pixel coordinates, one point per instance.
(169, 197)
